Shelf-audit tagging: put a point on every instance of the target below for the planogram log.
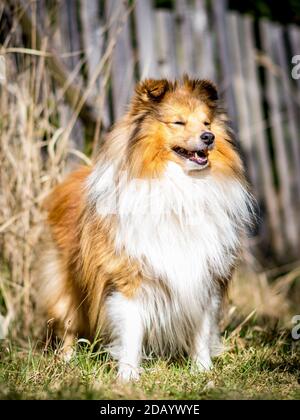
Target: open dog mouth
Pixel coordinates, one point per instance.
(200, 157)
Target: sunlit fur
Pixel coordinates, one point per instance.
(144, 242)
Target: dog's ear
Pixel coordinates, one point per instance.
(205, 89)
(208, 88)
(152, 90)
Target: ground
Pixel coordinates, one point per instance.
(260, 363)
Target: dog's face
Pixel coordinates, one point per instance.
(179, 122)
(187, 128)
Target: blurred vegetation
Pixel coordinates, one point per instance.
(287, 12)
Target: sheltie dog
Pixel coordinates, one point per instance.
(143, 243)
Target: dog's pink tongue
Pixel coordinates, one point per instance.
(200, 159)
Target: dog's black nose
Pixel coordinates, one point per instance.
(207, 137)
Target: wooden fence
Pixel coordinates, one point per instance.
(108, 44)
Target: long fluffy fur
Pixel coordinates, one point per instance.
(142, 250)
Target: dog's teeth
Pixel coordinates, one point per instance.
(195, 155)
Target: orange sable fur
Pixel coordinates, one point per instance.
(86, 255)
(87, 267)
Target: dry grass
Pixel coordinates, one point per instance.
(27, 129)
(272, 298)
(37, 147)
(260, 364)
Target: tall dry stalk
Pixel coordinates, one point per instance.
(27, 127)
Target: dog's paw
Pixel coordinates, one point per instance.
(127, 373)
(65, 354)
(68, 354)
(201, 364)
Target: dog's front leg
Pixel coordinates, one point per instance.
(201, 353)
(128, 329)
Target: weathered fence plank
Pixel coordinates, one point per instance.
(69, 31)
(93, 35)
(185, 48)
(238, 81)
(165, 42)
(57, 69)
(281, 156)
(288, 99)
(203, 43)
(258, 136)
(122, 65)
(219, 12)
(69, 45)
(144, 20)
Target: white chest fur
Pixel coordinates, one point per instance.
(184, 232)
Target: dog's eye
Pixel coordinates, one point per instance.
(206, 123)
(179, 122)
